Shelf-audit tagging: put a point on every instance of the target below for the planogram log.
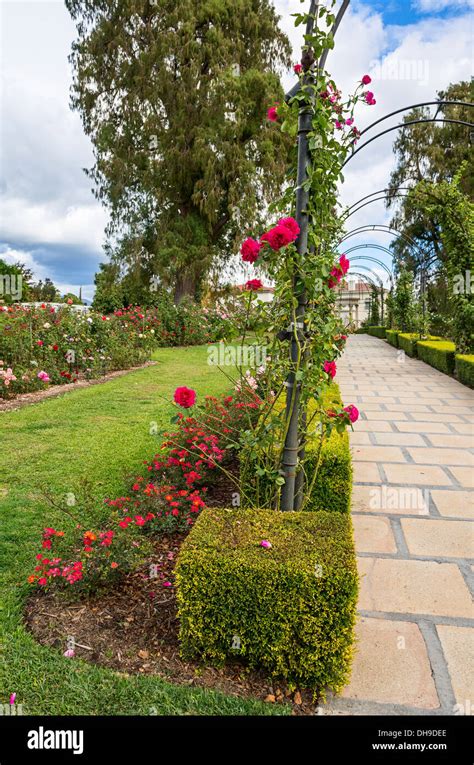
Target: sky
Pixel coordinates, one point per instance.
(49, 217)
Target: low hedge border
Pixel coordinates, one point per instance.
(333, 487)
(289, 610)
(377, 332)
(464, 365)
(438, 354)
(408, 341)
(391, 336)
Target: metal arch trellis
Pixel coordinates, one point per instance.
(294, 447)
(377, 282)
(403, 125)
(369, 257)
(366, 279)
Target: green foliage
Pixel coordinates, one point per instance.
(174, 98)
(290, 609)
(403, 301)
(332, 489)
(392, 337)
(465, 369)
(431, 152)
(377, 332)
(439, 354)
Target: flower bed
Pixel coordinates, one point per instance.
(43, 345)
(278, 590)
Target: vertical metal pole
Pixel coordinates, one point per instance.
(293, 387)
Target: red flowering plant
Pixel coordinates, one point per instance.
(305, 273)
(85, 554)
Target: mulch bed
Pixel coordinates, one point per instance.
(133, 628)
(25, 399)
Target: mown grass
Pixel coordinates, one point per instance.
(101, 433)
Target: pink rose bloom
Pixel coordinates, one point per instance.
(297, 68)
(278, 237)
(369, 98)
(272, 114)
(8, 376)
(69, 654)
(339, 125)
(350, 121)
(291, 225)
(366, 80)
(330, 368)
(344, 264)
(12, 698)
(167, 584)
(185, 397)
(353, 412)
(250, 250)
(265, 544)
(43, 376)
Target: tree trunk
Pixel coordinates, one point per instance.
(185, 286)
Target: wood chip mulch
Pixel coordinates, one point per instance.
(25, 399)
(133, 628)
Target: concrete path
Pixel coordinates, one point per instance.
(413, 513)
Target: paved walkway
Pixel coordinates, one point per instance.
(413, 512)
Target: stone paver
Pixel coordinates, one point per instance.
(458, 504)
(413, 515)
(437, 538)
(374, 534)
(458, 647)
(392, 665)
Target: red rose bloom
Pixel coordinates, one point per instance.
(278, 237)
(297, 68)
(344, 264)
(250, 250)
(366, 80)
(272, 114)
(330, 368)
(185, 397)
(253, 284)
(353, 412)
(291, 225)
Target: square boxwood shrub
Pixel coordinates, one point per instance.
(439, 354)
(377, 332)
(407, 341)
(289, 610)
(392, 337)
(465, 369)
(361, 331)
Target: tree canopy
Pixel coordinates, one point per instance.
(174, 96)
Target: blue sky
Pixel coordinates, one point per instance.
(49, 218)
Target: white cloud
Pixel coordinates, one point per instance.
(434, 6)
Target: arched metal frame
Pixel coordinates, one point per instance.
(373, 260)
(403, 125)
(368, 281)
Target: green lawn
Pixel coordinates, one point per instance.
(102, 433)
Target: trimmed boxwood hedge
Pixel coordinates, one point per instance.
(437, 353)
(407, 341)
(465, 369)
(377, 332)
(361, 331)
(333, 487)
(392, 337)
(289, 610)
